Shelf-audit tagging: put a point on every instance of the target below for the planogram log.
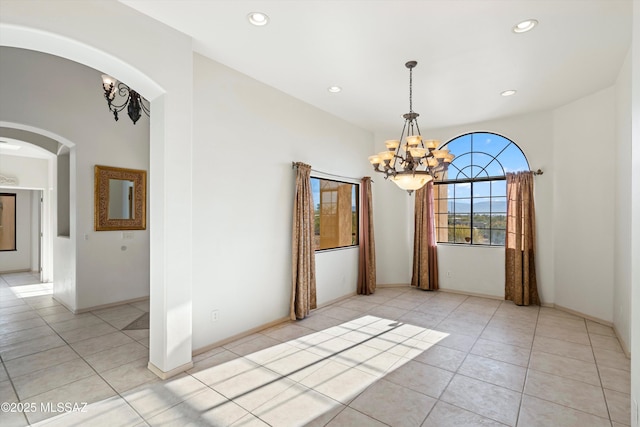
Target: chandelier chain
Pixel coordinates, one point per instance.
(411, 162)
(411, 90)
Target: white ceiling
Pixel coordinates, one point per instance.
(466, 52)
(24, 149)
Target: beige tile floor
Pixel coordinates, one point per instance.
(400, 357)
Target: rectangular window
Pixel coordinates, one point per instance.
(7, 221)
(471, 212)
(335, 213)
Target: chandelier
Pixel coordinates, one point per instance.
(412, 163)
(132, 99)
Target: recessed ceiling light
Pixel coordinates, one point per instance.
(258, 18)
(334, 89)
(524, 26)
(508, 92)
(4, 145)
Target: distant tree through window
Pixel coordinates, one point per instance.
(471, 196)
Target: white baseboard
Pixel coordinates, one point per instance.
(261, 328)
(625, 349)
(172, 373)
(393, 285)
(28, 270)
(471, 294)
(399, 285)
(112, 304)
(239, 336)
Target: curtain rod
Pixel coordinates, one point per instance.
(294, 164)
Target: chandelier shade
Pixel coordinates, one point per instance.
(412, 182)
(411, 162)
(131, 99)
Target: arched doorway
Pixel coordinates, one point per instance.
(36, 151)
(45, 30)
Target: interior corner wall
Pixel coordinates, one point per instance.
(584, 204)
(101, 271)
(622, 192)
(36, 211)
(242, 216)
(65, 289)
(393, 225)
(635, 218)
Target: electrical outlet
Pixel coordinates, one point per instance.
(449, 274)
(215, 315)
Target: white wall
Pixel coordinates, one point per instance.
(30, 172)
(393, 223)
(474, 270)
(36, 197)
(584, 204)
(65, 286)
(243, 212)
(20, 259)
(635, 218)
(622, 187)
(102, 273)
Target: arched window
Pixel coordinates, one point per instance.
(471, 196)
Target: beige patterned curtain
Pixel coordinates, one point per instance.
(520, 266)
(367, 254)
(303, 265)
(425, 255)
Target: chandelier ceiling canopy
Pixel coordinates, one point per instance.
(410, 161)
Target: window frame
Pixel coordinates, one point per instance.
(474, 180)
(12, 224)
(355, 229)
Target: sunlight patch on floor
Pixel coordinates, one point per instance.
(35, 290)
(308, 378)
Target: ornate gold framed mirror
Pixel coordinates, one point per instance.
(120, 199)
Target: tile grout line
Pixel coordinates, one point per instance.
(461, 363)
(449, 315)
(526, 377)
(487, 382)
(13, 387)
(604, 396)
(67, 344)
(563, 377)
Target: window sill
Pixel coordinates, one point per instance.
(469, 245)
(337, 249)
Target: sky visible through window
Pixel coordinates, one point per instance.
(475, 155)
(471, 202)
